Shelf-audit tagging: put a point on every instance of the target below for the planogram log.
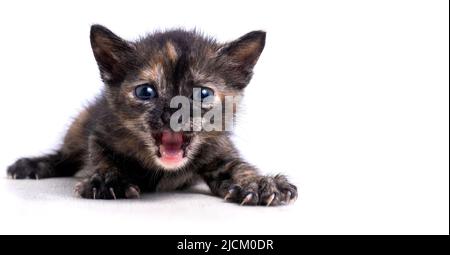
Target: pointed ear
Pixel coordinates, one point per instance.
(112, 54)
(245, 51)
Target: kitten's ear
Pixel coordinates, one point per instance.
(112, 54)
(246, 50)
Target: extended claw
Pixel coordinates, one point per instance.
(94, 192)
(111, 190)
(270, 199)
(229, 194)
(247, 199)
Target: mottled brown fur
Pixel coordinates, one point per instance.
(115, 139)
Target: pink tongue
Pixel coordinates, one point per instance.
(170, 148)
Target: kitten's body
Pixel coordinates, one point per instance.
(122, 141)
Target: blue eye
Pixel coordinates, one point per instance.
(206, 92)
(145, 92)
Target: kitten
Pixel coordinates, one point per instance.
(124, 139)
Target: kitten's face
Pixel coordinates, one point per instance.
(143, 77)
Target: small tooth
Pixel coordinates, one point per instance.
(94, 192)
(14, 176)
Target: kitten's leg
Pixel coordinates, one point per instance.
(239, 182)
(64, 162)
(107, 181)
(57, 164)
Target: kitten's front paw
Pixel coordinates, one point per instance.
(26, 168)
(107, 186)
(262, 190)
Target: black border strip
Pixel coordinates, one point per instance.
(281, 244)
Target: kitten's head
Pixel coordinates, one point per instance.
(142, 77)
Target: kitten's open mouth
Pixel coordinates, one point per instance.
(172, 146)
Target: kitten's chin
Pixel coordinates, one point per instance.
(172, 149)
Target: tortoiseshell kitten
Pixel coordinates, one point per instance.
(124, 140)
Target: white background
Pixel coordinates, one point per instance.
(349, 98)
